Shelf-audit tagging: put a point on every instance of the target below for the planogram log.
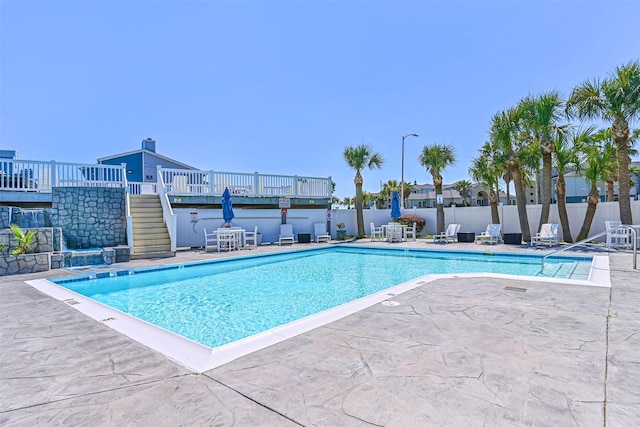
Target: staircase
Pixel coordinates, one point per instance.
(150, 235)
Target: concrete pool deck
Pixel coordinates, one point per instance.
(460, 351)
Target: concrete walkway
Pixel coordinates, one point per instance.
(453, 352)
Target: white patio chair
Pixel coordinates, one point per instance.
(210, 240)
(490, 235)
(450, 234)
(548, 235)
(410, 233)
(320, 233)
(286, 234)
(377, 233)
(617, 238)
(251, 238)
(226, 239)
(394, 233)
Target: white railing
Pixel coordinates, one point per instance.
(170, 219)
(39, 176)
(127, 205)
(213, 183)
(142, 187)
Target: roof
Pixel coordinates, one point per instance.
(147, 152)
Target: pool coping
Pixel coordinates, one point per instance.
(200, 358)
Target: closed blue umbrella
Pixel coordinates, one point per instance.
(395, 205)
(227, 209)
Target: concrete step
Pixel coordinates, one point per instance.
(145, 249)
(151, 240)
(145, 210)
(161, 254)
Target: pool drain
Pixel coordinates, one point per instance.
(390, 303)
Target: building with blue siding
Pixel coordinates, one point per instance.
(142, 164)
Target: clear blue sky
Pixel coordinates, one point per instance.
(283, 87)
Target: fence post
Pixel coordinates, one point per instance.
(53, 174)
(256, 183)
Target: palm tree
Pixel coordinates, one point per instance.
(605, 137)
(388, 189)
(615, 99)
(435, 159)
(566, 156)
(595, 167)
(485, 170)
(346, 202)
(358, 158)
(512, 151)
(540, 122)
(463, 186)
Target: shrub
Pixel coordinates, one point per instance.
(408, 220)
(25, 240)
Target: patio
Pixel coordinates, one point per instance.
(456, 351)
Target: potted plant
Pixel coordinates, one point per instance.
(341, 234)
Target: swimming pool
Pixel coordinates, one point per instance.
(216, 303)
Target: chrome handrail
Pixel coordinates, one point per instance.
(573, 245)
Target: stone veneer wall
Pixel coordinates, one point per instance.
(90, 217)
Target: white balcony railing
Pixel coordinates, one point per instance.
(213, 183)
(41, 177)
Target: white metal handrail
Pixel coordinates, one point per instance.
(170, 219)
(588, 239)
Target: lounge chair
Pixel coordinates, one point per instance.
(411, 232)
(450, 234)
(210, 240)
(286, 234)
(320, 233)
(548, 235)
(490, 235)
(377, 233)
(619, 238)
(251, 238)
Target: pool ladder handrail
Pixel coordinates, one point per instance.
(634, 232)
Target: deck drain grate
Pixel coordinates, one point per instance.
(71, 301)
(108, 319)
(514, 289)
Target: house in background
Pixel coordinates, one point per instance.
(142, 164)
(424, 196)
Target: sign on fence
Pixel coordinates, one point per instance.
(284, 202)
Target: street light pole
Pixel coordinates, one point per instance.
(402, 177)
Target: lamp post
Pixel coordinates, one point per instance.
(402, 177)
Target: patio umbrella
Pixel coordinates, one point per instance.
(227, 209)
(395, 205)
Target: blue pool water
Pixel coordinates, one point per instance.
(221, 301)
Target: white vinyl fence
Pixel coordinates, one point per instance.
(475, 218)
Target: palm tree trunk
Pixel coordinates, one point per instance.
(561, 193)
(508, 182)
(620, 133)
(521, 201)
(546, 186)
(592, 204)
(439, 209)
(493, 201)
(359, 215)
(610, 196)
